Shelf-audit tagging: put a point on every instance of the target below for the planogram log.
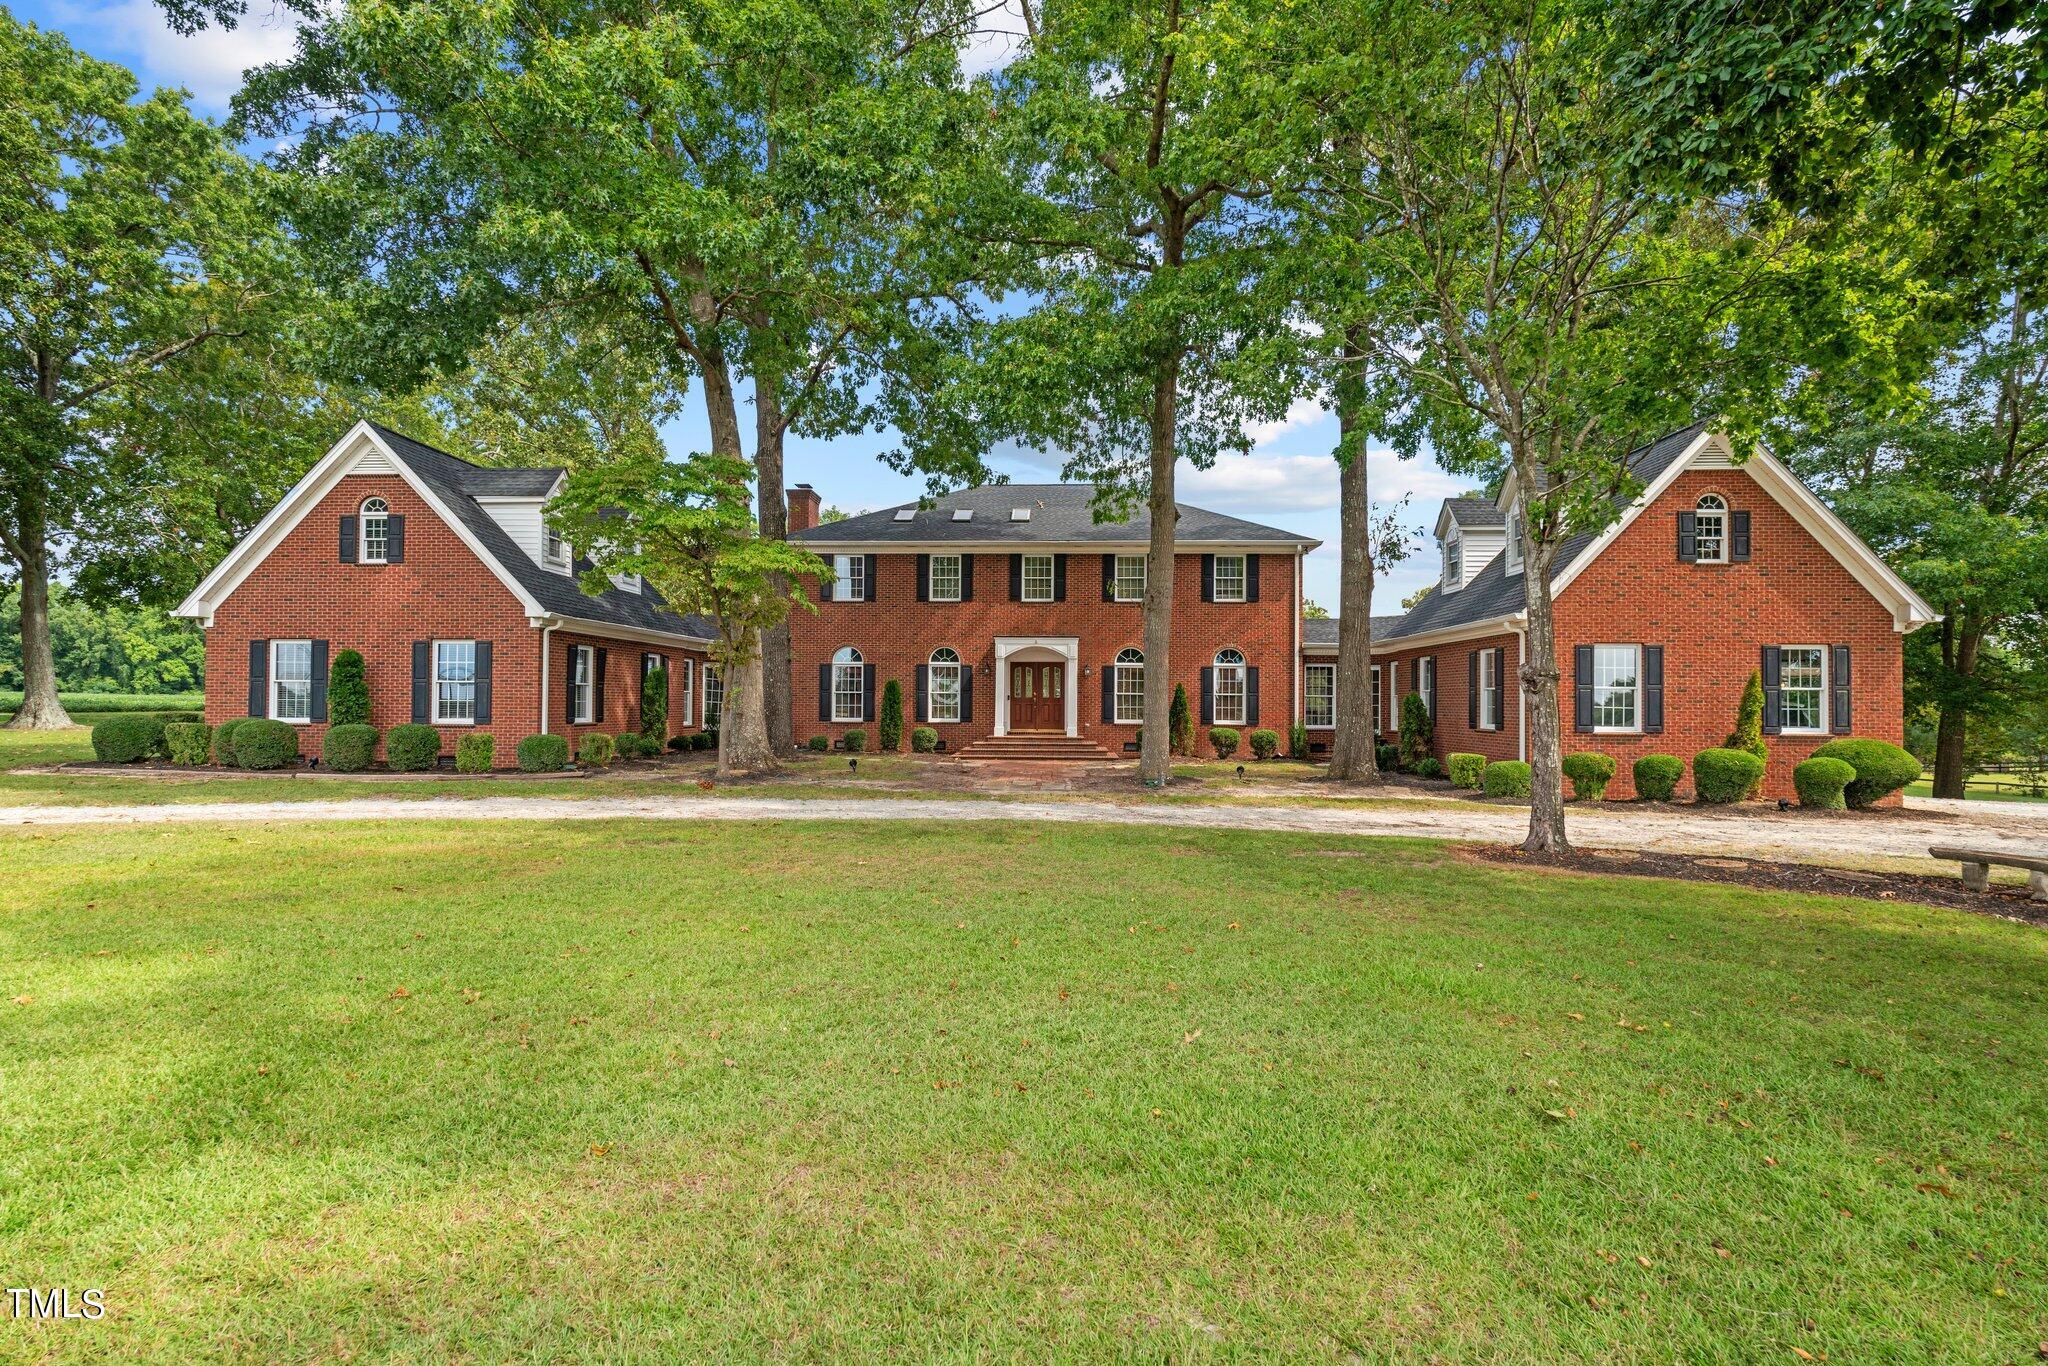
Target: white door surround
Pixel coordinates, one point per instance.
(1022, 648)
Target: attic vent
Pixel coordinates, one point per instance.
(1020, 514)
(905, 514)
(963, 514)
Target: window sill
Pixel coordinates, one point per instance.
(439, 722)
(289, 721)
(1616, 730)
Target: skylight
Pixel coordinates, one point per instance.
(905, 514)
(1020, 514)
(963, 514)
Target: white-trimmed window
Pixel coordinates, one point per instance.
(1514, 545)
(1802, 689)
(554, 550)
(583, 676)
(1489, 689)
(1425, 683)
(1454, 564)
(714, 697)
(1229, 580)
(1038, 578)
(1319, 697)
(1617, 687)
(291, 680)
(942, 683)
(376, 532)
(945, 579)
(454, 682)
(1130, 578)
(1710, 529)
(849, 578)
(682, 692)
(849, 679)
(1227, 700)
(1130, 688)
(1378, 710)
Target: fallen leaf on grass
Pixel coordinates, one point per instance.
(400, 994)
(1191, 1036)
(24, 1000)
(600, 1149)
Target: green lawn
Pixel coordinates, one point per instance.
(640, 1090)
(1985, 787)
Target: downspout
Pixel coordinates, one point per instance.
(544, 633)
(1521, 695)
(1297, 670)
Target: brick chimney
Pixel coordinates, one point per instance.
(803, 508)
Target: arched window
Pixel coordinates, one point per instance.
(1710, 528)
(849, 685)
(1227, 699)
(1130, 688)
(376, 531)
(943, 678)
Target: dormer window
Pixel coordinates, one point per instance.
(1710, 530)
(376, 531)
(1514, 546)
(554, 550)
(1454, 562)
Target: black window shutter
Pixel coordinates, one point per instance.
(924, 578)
(569, 685)
(259, 678)
(1251, 578)
(924, 694)
(824, 692)
(422, 681)
(1108, 694)
(597, 672)
(867, 581)
(1208, 578)
(1653, 689)
(1840, 714)
(1016, 578)
(1109, 578)
(483, 681)
(966, 691)
(1688, 538)
(348, 540)
(966, 578)
(825, 582)
(1251, 695)
(317, 711)
(1582, 687)
(394, 544)
(1738, 536)
(1059, 578)
(867, 693)
(1773, 695)
(1208, 697)
(1472, 691)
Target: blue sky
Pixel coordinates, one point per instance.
(1289, 479)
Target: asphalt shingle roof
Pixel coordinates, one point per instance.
(1060, 514)
(1322, 631)
(1475, 512)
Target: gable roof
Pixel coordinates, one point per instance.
(1474, 512)
(1061, 514)
(1320, 633)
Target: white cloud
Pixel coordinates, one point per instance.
(1272, 482)
(209, 63)
(997, 37)
(1303, 412)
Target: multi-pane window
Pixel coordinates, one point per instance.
(1228, 699)
(376, 523)
(943, 683)
(850, 578)
(1425, 683)
(1130, 578)
(849, 677)
(554, 549)
(1130, 688)
(945, 583)
(454, 682)
(1229, 578)
(1710, 529)
(1803, 687)
(1616, 678)
(1514, 543)
(1454, 564)
(1489, 690)
(714, 698)
(1038, 578)
(682, 693)
(1377, 709)
(583, 663)
(291, 680)
(1319, 708)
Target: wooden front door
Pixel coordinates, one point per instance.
(1038, 696)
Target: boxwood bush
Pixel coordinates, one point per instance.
(681, 744)
(856, 742)
(1429, 767)
(1881, 769)
(1388, 757)
(1297, 741)
(188, 742)
(262, 744)
(1657, 776)
(127, 739)
(820, 743)
(1724, 776)
(1820, 780)
(595, 749)
(1590, 773)
(1222, 739)
(543, 754)
(631, 744)
(704, 739)
(1465, 769)
(349, 748)
(474, 752)
(224, 741)
(924, 740)
(412, 748)
(1265, 743)
(1508, 778)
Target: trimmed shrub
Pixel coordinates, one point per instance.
(1657, 776)
(924, 740)
(1223, 740)
(653, 707)
(127, 739)
(1265, 743)
(411, 749)
(1748, 735)
(1820, 781)
(264, 744)
(1180, 723)
(474, 752)
(348, 691)
(595, 749)
(1590, 773)
(1881, 768)
(1418, 731)
(1429, 767)
(682, 743)
(1725, 776)
(542, 754)
(1297, 741)
(1388, 757)
(188, 742)
(1508, 778)
(1467, 770)
(819, 743)
(224, 741)
(627, 744)
(856, 742)
(349, 748)
(891, 725)
(704, 739)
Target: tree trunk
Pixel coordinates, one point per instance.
(1155, 758)
(1353, 757)
(1953, 730)
(1538, 674)
(743, 733)
(40, 709)
(773, 513)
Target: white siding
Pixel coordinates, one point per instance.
(1479, 545)
(521, 519)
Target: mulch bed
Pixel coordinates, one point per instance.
(2011, 903)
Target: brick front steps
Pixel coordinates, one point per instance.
(1059, 748)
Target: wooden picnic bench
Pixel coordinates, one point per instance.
(1977, 868)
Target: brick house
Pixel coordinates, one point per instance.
(464, 604)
